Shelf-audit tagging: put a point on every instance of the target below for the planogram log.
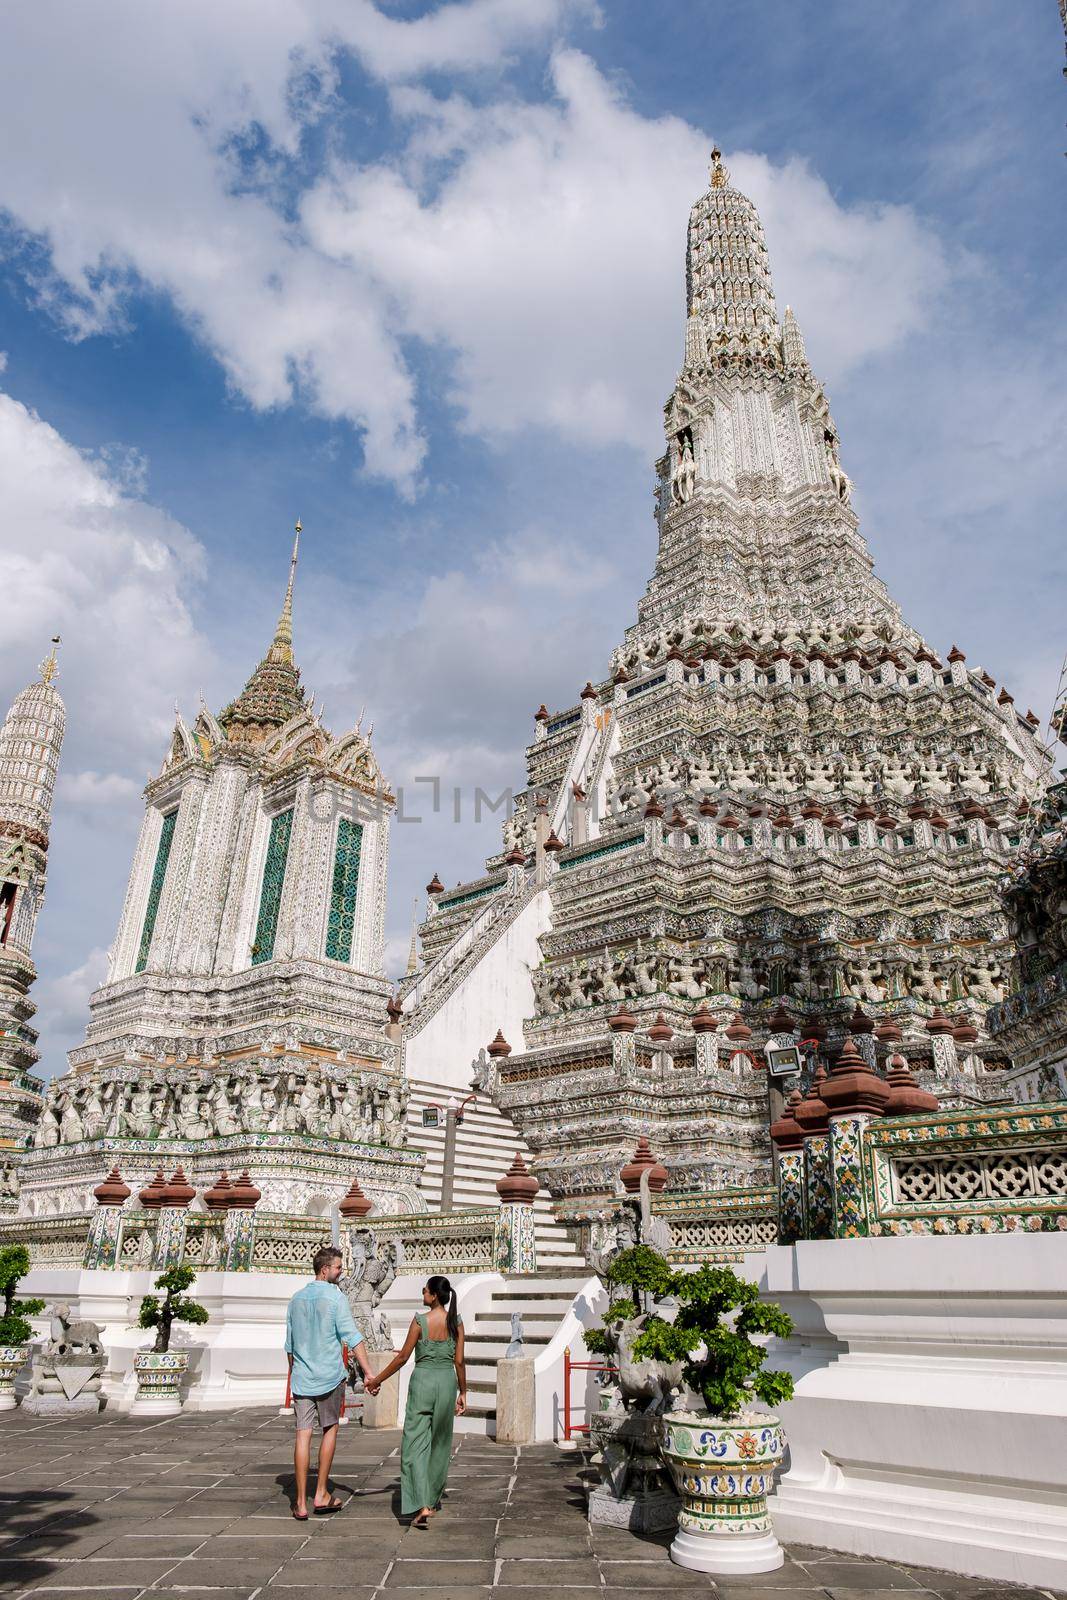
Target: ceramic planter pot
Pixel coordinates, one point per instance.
(723, 1472)
(159, 1382)
(11, 1358)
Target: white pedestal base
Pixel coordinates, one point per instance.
(162, 1407)
(726, 1552)
(7, 1402)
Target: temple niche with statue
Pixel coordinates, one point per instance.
(780, 811)
(243, 1023)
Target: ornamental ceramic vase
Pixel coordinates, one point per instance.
(11, 1358)
(723, 1472)
(159, 1377)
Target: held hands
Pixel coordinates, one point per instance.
(371, 1386)
(461, 1404)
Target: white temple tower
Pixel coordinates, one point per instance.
(30, 742)
(243, 1018)
(779, 810)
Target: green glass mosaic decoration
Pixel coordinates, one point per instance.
(342, 920)
(159, 872)
(270, 895)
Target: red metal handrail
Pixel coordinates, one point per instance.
(570, 1366)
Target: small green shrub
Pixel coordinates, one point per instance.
(175, 1306)
(712, 1333)
(14, 1265)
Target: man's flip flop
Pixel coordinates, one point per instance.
(327, 1511)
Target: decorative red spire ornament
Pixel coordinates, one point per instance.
(643, 1160)
(541, 714)
(812, 1113)
(937, 1022)
(151, 1196)
(853, 1086)
(787, 1133)
(661, 1031)
(355, 1202)
(112, 1192)
(652, 806)
(179, 1190)
(588, 693)
(435, 886)
(906, 1099)
(781, 1022)
(245, 1196)
(393, 1008)
(499, 1046)
(554, 845)
(622, 1021)
(518, 1186)
(738, 1032)
(217, 1198)
(703, 1021)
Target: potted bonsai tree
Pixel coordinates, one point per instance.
(160, 1370)
(15, 1330)
(721, 1449)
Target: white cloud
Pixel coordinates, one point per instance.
(131, 176)
(63, 1001)
(548, 261)
(92, 789)
(109, 572)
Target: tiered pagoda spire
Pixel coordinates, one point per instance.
(273, 694)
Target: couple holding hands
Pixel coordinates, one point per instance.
(318, 1324)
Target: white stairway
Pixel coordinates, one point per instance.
(542, 1299)
(486, 1142)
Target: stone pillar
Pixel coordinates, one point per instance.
(579, 818)
(514, 1241)
(542, 830)
(623, 1049)
(739, 1033)
(783, 672)
(706, 1030)
(239, 1227)
(814, 1120)
(853, 1094)
(939, 1027)
(866, 826)
(516, 1400)
(675, 666)
(434, 889)
(957, 662)
(707, 811)
(653, 824)
(104, 1242)
(169, 1244)
(588, 704)
(787, 1137)
(851, 659)
(541, 723)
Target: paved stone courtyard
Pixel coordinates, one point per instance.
(198, 1507)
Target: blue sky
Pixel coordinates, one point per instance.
(415, 274)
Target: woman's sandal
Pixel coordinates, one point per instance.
(299, 1516)
(328, 1510)
(422, 1522)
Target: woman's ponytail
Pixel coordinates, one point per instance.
(445, 1296)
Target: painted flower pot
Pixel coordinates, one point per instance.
(723, 1472)
(11, 1358)
(159, 1382)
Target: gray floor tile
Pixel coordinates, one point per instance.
(425, 1574)
(536, 1574)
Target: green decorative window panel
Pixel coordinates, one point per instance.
(342, 920)
(270, 895)
(159, 872)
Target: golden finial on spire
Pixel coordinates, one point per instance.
(50, 666)
(282, 648)
(719, 175)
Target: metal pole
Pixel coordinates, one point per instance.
(448, 1167)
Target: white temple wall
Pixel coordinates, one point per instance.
(496, 994)
(124, 950)
(929, 1423)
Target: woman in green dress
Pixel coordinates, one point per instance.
(437, 1395)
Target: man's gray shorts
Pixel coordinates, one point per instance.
(327, 1407)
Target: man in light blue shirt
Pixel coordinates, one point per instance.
(317, 1325)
